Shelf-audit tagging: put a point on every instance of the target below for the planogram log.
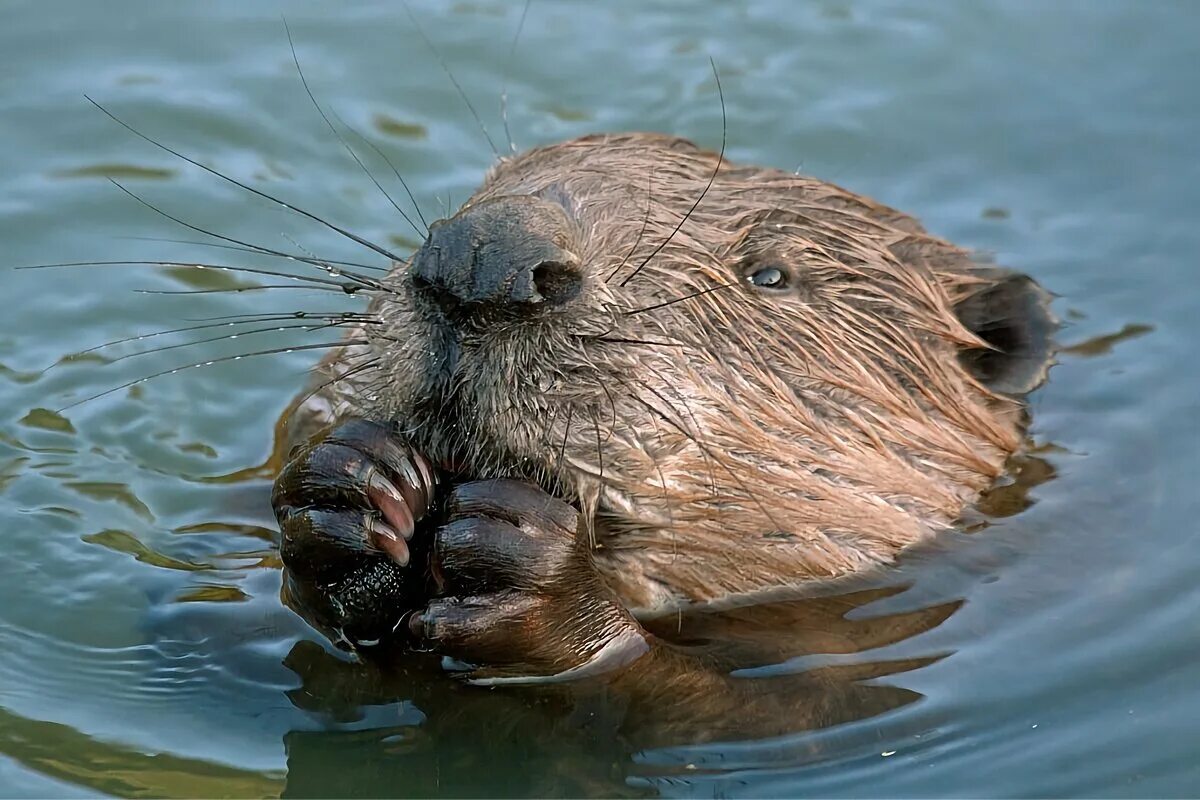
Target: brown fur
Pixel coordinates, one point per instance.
(728, 442)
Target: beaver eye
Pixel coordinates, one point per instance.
(769, 278)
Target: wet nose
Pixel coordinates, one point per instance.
(509, 254)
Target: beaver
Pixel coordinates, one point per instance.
(629, 375)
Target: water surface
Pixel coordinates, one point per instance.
(143, 648)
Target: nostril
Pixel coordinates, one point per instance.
(557, 282)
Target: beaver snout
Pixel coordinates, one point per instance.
(516, 255)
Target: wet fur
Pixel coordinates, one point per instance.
(737, 439)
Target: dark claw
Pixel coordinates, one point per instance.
(518, 594)
(348, 507)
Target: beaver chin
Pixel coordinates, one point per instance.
(497, 399)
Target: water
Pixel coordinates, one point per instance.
(143, 649)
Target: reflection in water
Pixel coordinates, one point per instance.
(596, 736)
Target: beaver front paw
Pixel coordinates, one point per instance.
(347, 507)
(518, 595)
(506, 585)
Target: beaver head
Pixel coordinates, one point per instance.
(745, 377)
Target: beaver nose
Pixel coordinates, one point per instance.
(510, 254)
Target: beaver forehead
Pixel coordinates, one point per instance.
(613, 183)
(617, 173)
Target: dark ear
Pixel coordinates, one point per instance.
(1012, 314)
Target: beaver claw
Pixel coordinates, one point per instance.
(517, 592)
(506, 584)
(348, 507)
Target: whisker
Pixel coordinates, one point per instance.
(707, 186)
(340, 138)
(641, 233)
(307, 214)
(349, 289)
(311, 279)
(612, 404)
(379, 152)
(591, 526)
(666, 303)
(453, 80)
(311, 258)
(351, 371)
(512, 54)
(228, 336)
(289, 256)
(288, 315)
(562, 451)
(362, 279)
(210, 362)
(631, 341)
(223, 322)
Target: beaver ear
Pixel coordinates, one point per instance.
(1010, 312)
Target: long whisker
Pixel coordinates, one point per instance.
(453, 80)
(349, 372)
(362, 279)
(512, 54)
(240, 249)
(307, 214)
(388, 161)
(311, 279)
(612, 404)
(210, 362)
(707, 186)
(340, 138)
(284, 315)
(230, 321)
(672, 302)
(631, 341)
(562, 451)
(229, 336)
(591, 526)
(351, 289)
(641, 233)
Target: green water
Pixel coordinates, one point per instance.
(143, 649)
